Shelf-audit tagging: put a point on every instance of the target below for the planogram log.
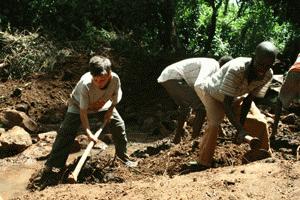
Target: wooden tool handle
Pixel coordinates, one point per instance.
(85, 154)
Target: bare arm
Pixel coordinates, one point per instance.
(229, 111)
(86, 125)
(278, 110)
(245, 108)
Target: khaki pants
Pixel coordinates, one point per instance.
(255, 124)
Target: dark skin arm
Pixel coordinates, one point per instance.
(278, 110)
(229, 111)
(245, 108)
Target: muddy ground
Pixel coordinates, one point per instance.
(161, 173)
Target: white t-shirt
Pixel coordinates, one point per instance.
(86, 93)
(189, 69)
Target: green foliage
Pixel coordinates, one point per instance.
(93, 37)
(187, 28)
(26, 53)
(235, 35)
(134, 28)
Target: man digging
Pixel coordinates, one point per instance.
(240, 76)
(94, 96)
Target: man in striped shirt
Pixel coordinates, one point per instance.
(289, 91)
(218, 92)
(179, 79)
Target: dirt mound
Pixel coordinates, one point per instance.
(162, 158)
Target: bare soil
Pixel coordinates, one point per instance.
(161, 173)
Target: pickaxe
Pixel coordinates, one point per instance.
(74, 175)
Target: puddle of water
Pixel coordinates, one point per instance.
(13, 180)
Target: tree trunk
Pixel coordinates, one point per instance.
(211, 30)
(168, 37)
(226, 7)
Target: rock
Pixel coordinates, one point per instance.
(47, 137)
(11, 118)
(22, 107)
(14, 141)
(289, 119)
(285, 150)
(17, 92)
(293, 128)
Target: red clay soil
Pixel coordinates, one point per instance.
(161, 171)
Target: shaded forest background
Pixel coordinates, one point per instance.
(140, 36)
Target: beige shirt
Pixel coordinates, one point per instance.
(189, 70)
(86, 93)
(231, 80)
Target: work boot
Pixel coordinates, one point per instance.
(47, 176)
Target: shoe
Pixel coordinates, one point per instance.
(130, 163)
(126, 160)
(192, 166)
(43, 178)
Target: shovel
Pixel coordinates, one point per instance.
(74, 175)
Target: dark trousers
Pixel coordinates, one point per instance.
(68, 130)
(183, 95)
(186, 98)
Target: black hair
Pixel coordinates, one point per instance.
(224, 59)
(98, 65)
(266, 49)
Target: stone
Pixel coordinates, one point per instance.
(14, 141)
(10, 118)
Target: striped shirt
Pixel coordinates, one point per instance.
(189, 70)
(296, 66)
(231, 80)
(86, 93)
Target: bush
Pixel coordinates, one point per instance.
(27, 52)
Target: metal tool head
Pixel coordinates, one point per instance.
(255, 143)
(254, 155)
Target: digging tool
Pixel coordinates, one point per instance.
(256, 153)
(254, 142)
(74, 175)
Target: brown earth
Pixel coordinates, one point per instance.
(161, 171)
